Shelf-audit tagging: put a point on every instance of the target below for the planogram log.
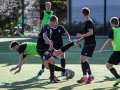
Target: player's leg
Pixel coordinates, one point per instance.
(63, 49)
(83, 60)
(46, 55)
(57, 68)
(42, 70)
(114, 60)
(63, 63)
(62, 56)
(51, 62)
(90, 51)
(87, 51)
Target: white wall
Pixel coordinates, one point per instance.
(97, 9)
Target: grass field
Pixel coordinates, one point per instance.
(27, 80)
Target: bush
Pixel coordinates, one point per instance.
(74, 28)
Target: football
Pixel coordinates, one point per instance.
(72, 74)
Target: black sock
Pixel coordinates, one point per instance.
(63, 63)
(43, 66)
(114, 72)
(88, 68)
(83, 68)
(51, 67)
(66, 47)
(59, 69)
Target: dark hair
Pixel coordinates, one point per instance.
(12, 44)
(53, 18)
(114, 20)
(86, 11)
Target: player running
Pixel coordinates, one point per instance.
(114, 38)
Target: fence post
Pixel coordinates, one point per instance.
(22, 2)
(104, 17)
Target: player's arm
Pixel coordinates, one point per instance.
(20, 63)
(108, 42)
(89, 33)
(14, 68)
(82, 36)
(63, 31)
(47, 41)
(68, 37)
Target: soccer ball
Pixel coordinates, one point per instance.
(72, 74)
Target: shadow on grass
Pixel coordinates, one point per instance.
(70, 87)
(108, 88)
(106, 79)
(30, 83)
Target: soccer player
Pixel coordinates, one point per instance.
(56, 37)
(89, 45)
(114, 38)
(45, 15)
(45, 47)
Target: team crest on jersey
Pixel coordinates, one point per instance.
(59, 31)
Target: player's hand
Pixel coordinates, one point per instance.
(79, 35)
(100, 52)
(52, 42)
(17, 71)
(77, 42)
(69, 41)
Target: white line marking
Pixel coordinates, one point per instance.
(65, 53)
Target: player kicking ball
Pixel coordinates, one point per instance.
(114, 38)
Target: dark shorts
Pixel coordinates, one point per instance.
(57, 46)
(114, 58)
(88, 51)
(45, 54)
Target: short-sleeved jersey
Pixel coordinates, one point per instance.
(21, 49)
(90, 40)
(110, 34)
(41, 44)
(57, 34)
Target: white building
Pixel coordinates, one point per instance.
(96, 7)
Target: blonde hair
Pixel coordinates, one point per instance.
(48, 3)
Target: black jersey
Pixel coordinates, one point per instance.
(41, 44)
(57, 34)
(21, 49)
(90, 40)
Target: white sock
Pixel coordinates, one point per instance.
(90, 75)
(84, 76)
